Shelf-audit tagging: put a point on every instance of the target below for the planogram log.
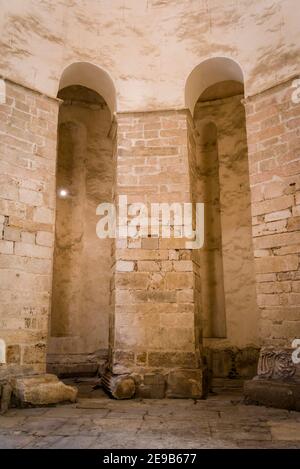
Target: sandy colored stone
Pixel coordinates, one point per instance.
(185, 384)
(42, 390)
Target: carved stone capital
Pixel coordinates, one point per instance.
(277, 363)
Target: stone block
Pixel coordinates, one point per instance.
(27, 237)
(124, 266)
(148, 266)
(39, 390)
(150, 243)
(179, 280)
(276, 264)
(45, 238)
(13, 354)
(273, 205)
(6, 247)
(11, 234)
(152, 387)
(271, 393)
(185, 384)
(30, 197)
(246, 362)
(5, 395)
(43, 215)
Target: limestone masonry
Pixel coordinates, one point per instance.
(166, 102)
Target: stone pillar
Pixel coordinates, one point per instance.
(273, 140)
(28, 134)
(155, 333)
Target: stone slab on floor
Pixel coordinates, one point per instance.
(40, 390)
(272, 393)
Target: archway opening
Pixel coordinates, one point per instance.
(81, 289)
(214, 94)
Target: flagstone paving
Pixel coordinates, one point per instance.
(221, 421)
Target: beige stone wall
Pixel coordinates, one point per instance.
(149, 48)
(81, 300)
(154, 320)
(27, 200)
(273, 141)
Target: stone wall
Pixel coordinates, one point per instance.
(273, 142)
(28, 135)
(153, 331)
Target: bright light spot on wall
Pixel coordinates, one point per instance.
(63, 193)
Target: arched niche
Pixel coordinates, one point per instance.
(81, 301)
(225, 265)
(208, 73)
(92, 77)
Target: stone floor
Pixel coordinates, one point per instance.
(96, 421)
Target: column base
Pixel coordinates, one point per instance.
(270, 393)
(159, 375)
(118, 386)
(33, 390)
(177, 384)
(41, 390)
(277, 383)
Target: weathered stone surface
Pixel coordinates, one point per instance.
(277, 363)
(185, 384)
(152, 162)
(118, 386)
(152, 386)
(232, 362)
(271, 393)
(277, 383)
(42, 390)
(5, 396)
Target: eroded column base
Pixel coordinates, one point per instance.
(118, 386)
(32, 390)
(277, 383)
(178, 383)
(159, 375)
(271, 393)
(41, 390)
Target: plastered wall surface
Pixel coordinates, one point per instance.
(137, 41)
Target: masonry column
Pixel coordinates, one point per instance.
(273, 119)
(155, 329)
(28, 135)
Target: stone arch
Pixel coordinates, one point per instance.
(81, 301)
(214, 95)
(208, 73)
(93, 77)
